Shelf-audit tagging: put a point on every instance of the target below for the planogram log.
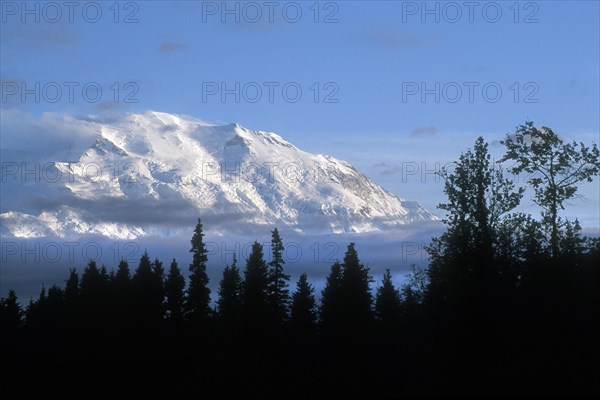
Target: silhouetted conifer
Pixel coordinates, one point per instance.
(93, 304)
(144, 302)
(72, 288)
(158, 289)
(303, 310)
(122, 278)
(35, 313)
(278, 292)
(197, 299)
(10, 312)
(387, 301)
(256, 305)
(229, 303)
(123, 299)
(355, 291)
(174, 290)
(332, 301)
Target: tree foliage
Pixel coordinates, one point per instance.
(197, 300)
(278, 281)
(174, 292)
(303, 321)
(555, 169)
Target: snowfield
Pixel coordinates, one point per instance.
(153, 173)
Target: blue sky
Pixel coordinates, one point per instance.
(362, 68)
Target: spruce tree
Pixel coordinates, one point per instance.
(303, 311)
(230, 294)
(278, 281)
(142, 291)
(123, 276)
(174, 290)
(10, 312)
(55, 310)
(256, 305)
(72, 288)
(35, 314)
(72, 302)
(90, 280)
(355, 291)
(387, 300)
(331, 301)
(93, 292)
(197, 300)
(143, 277)
(158, 289)
(104, 277)
(122, 302)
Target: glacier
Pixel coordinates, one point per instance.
(153, 173)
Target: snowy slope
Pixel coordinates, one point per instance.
(149, 173)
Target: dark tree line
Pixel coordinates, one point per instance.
(257, 298)
(508, 304)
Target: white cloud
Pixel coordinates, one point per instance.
(51, 134)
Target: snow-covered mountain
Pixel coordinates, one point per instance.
(151, 173)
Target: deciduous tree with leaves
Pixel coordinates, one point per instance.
(555, 169)
(463, 259)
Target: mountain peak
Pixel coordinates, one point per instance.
(155, 169)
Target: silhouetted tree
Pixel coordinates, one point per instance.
(412, 295)
(104, 276)
(520, 243)
(256, 305)
(91, 282)
(229, 302)
(123, 299)
(10, 312)
(72, 288)
(72, 302)
(143, 272)
(571, 243)
(122, 278)
(55, 297)
(278, 281)
(303, 311)
(331, 301)
(146, 299)
(556, 168)
(93, 289)
(35, 314)
(55, 311)
(355, 291)
(387, 300)
(174, 290)
(462, 259)
(158, 289)
(197, 300)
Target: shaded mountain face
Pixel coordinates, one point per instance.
(156, 172)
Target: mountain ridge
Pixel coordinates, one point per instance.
(140, 161)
